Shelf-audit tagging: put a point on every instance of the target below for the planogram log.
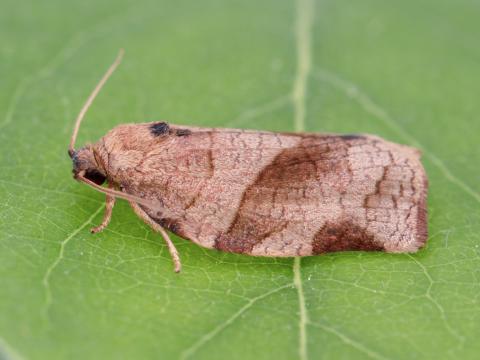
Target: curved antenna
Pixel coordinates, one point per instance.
(93, 95)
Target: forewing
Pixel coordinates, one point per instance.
(332, 194)
(277, 194)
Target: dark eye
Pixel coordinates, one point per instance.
(95, 176)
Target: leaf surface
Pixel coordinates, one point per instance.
(406, 71)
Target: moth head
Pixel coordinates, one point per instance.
(85, 164)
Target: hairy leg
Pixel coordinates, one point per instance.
(107, 216)
(155, 226)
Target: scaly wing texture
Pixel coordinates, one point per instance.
(275, 194)
(405, 70)
(330, 193)
(200, 177)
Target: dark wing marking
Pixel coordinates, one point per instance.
(243, 187)
(285, 191)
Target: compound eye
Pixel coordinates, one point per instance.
(95, 176)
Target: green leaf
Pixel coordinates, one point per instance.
(407, 71)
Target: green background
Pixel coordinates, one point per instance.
(405, 70)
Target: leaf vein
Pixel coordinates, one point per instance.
(349, 341)
(58, 259)
(191, 350)
(304, 20)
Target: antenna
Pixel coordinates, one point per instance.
(93, 95)
(151, 204)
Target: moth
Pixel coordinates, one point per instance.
(259, 193)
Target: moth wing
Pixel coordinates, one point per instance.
(276, 194)
(332, 194)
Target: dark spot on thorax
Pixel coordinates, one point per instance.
(351, 137)
(183, 132)
(159, 128)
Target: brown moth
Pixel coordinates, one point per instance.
(260, 193)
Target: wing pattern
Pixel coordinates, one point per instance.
(274, 194)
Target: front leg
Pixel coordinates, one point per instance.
(107, 216)
(155, 226)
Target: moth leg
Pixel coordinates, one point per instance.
(155, 226)
(107, 216)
